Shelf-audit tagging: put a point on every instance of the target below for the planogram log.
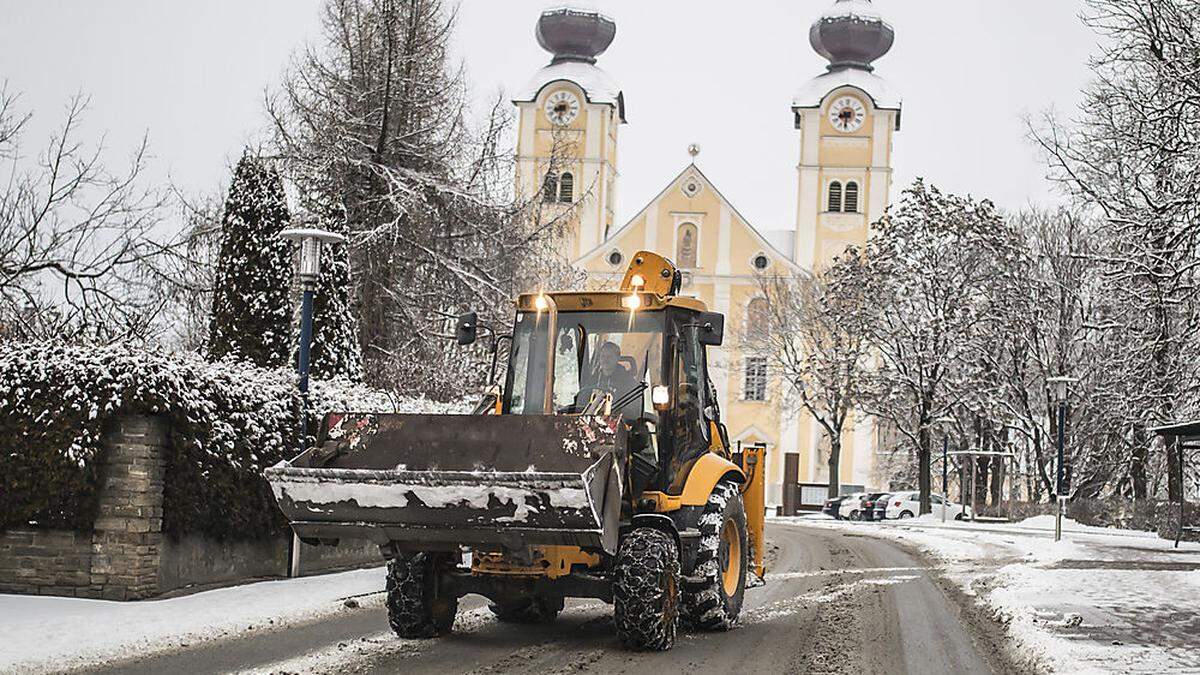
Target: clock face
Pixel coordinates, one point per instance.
(847, 114)
(562, 107)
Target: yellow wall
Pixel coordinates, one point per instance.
(587, 147)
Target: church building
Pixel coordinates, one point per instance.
(570, 117)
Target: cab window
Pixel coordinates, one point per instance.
(690, 382)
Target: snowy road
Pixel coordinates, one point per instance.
(835, 602)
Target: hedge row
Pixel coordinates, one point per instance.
(1149, 515)
(228, 421)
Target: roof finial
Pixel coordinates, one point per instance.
(693, 150)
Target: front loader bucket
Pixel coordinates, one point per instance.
(439, 481)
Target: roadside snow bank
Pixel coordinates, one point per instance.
(48, 634)
(1100, 600)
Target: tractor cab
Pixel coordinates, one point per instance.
(638, 353)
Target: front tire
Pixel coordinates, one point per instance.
(415, 610)
(646, 590)
(855, 515)
(713, 593)
(906, 514)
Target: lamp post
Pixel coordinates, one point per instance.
(310, 239)
(1060, 386)
(945, 421)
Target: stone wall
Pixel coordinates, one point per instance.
(128, 529)
(126, 557)
(198, 561)
(49, 562)
(118, 560)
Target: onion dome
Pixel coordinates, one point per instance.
(575, 37)
(575, 34)
(851, 34)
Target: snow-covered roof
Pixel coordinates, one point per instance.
(597, 85)
(853, 9)
(783, 241)
(815, 90)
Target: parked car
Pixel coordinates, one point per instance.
(851, 508)
(833, 507)
(867, 510)
(908, 505)
(879, 512)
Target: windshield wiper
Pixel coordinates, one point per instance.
(628, 397)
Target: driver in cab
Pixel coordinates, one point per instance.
(611, 375)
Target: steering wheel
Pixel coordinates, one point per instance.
(582, 398)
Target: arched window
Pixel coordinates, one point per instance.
(549, 188)
(758, 320)
(685, 246)
(851, 205)
(835, 196)
(566, 187)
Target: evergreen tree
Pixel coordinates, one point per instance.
(335, 350)
(252, 307)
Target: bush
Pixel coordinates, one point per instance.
(228, 421)
(1147, 515)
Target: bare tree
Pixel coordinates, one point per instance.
(373, 127)
(187, 272)
(74, 236)
(928, 271)
(1134, 156)
(815, 334)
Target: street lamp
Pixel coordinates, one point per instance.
(945, 421)
(311, 240)
(1059, 386)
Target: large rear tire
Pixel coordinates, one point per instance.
(713, 593)
(646, 590)
(528, 610)
(415, 610)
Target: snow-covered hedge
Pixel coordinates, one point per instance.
(228, 421)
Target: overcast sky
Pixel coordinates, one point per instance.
(721, 74)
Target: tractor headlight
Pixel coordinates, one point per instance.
(660, 396)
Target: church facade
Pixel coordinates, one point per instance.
(570, 115)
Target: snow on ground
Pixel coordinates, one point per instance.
(44, 634)
(1100, 600)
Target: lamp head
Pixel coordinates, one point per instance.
(1060, 386)
(310, 240)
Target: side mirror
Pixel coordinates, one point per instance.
(712, 329)
(466, 329)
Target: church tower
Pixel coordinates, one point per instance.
(569, 116)
(846, 118)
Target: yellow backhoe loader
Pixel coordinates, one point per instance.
(600, 469)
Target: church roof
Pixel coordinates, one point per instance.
(882, 93)
(781, 240)
(768, 241)
(597, 85)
